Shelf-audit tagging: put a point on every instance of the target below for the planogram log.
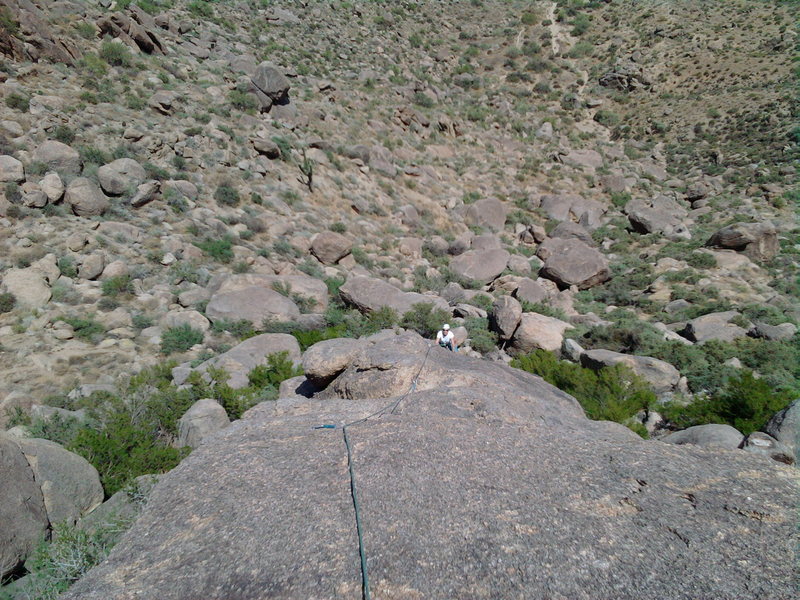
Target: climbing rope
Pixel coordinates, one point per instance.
(391, 408)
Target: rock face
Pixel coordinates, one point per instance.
(764, 444)
(120, 176)
(661, 214)
(489, 212)
(713, 326)
(571, 262)
(759, 241)
(722, 436)
(301, 285)
(662, 376)
(11, 170)
(505, 316)
(471, 463)
(58, 157)
(480, 265)
(323, 361)
(22, 510)
(205, 417)
(368, 294)
(29, 287)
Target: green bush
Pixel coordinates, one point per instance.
(85, 328)
(218, 249)
(746, 403)
(607, 118)
(201, 8)
(609, 394)
(66, 266)
(227, 195)
(241, 329)
(180, 338)
(116, 286)
(425, 319)
(544, 309)
(242, 100)
(7, 302)
(481, 339)
(64, 134)
(18, 102)
(115, 54)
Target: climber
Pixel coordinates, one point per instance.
(446, 339)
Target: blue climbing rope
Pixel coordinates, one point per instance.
(391, 408)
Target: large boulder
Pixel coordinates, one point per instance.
(323, 361)
(244, 357)
(255, 304)
(538, 332)
(571, 262)
(505, 316)
(713, 326)
(784, 426)
(11, 170)
(759, 241)
(661, 376)
(571, 207)
(721, 436)
(368, 294)
(121, 176)
(29, 287)
(70, 486)
(23, 516)
(482, 266)
(488, 212)
(503, 489)
(330, 247)
(204, 417)
(85, 198)
(58, 157)
(300, 284)
(270, 85)
(661, 214)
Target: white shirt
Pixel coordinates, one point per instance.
(447, 338)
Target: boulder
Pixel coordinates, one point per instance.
(537, 331)
(11, 170)
(192, 318)
(784, 331)
(505, 316)
(52, 186)
(480, 265)
(92, 266)
(299, 284)
(22, 511)
(368, 294)
(330, 247)
(121, 176)
(662, 214)
(784, 426)
(204, 418)
(472, 463)
(70, 486)
(29, 287)
(568, 229)
(488, 212)
(661, 376)
(713, 326)
(758, 241)
(323, 361)
(763, 444)
(571, 207)
(244, 357)
(721, 436)
(85, 198)
(255, 304)
(270, 85)
(531, 291)
(571, 262)
(58, 157)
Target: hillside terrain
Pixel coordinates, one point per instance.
(204, 204)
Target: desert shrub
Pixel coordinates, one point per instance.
(278, 368)
(118, 285)
(66, 266)
(241, 329)
(338, 227)
(544, 309)
(92, 155)
(85, 328)
(481, 338)
(155, 172)
(218, 249)
(7, 302)
(482, 301)
(180, 338)
(141, 321)
(609, 394)
(608, 118)
(627, 275)
(701, 260)
(201, 8)
(425, 319)
(242, 100)
(64, 134)
(18, 101)
(746, 403)
(115, 54)
(61, 430)
(284, 146)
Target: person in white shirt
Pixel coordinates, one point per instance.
(446, 339)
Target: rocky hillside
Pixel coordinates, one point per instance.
(193, 194)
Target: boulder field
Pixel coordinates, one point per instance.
(483, 482)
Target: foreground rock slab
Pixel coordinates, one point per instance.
(466, 491)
